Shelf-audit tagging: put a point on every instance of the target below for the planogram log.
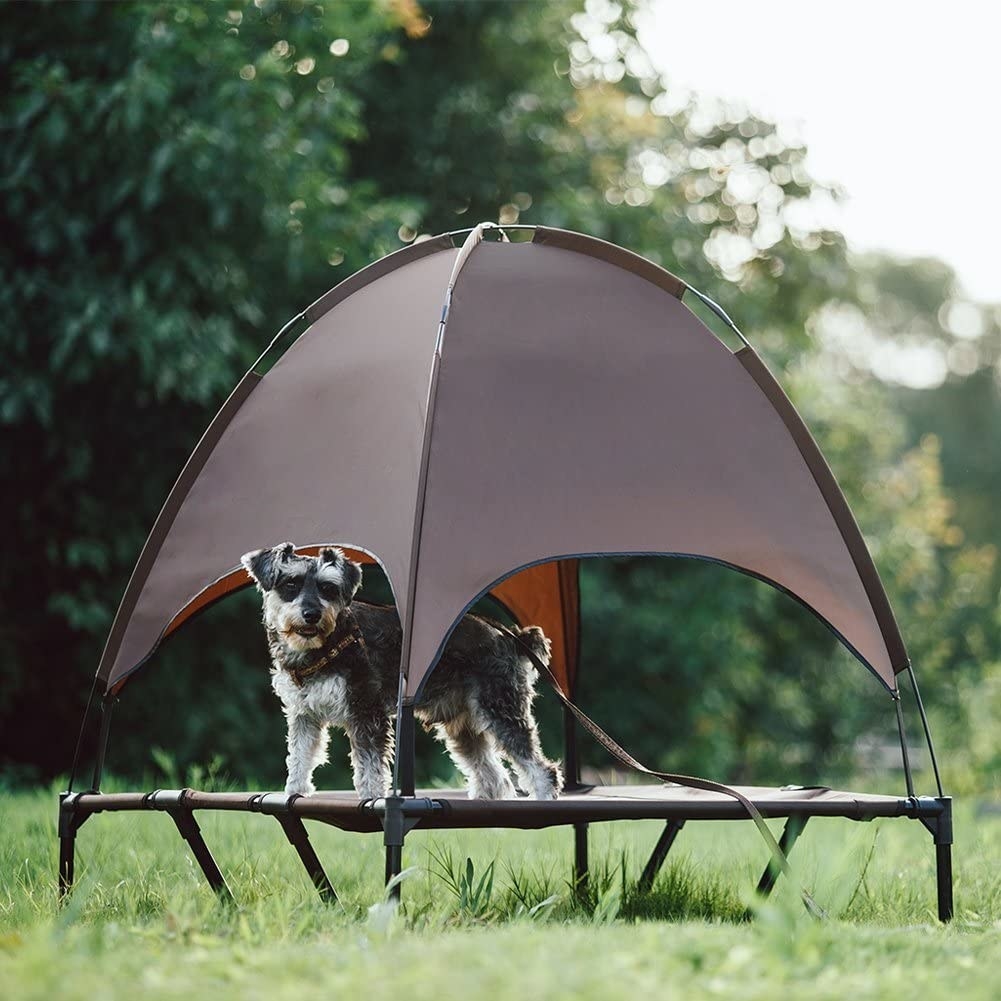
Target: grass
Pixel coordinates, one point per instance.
(490, 914)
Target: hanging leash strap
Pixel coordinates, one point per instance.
(691, 781)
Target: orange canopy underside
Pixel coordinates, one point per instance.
(545, 595)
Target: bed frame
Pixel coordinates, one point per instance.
(579, 806)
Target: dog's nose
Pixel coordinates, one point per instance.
(311, 615)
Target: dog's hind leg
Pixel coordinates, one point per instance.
(475, 756)
(307, 748)
(518, 738)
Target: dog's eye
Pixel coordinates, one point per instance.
(287, 588)
(329, 590)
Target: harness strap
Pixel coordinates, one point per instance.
(691, 781)
(302, 674)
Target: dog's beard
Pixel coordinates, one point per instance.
(295, 632)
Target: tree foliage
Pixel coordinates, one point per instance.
(180, 178)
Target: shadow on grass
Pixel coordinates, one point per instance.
(682, 893)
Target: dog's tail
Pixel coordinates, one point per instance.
(536, 641)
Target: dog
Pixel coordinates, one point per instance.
(336, 662)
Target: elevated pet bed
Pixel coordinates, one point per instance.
(495, 412)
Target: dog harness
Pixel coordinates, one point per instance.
(332, 649)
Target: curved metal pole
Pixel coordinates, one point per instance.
(79, 739)
(102, 741)
(927, 729)
(908, 777)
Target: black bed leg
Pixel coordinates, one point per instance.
(172, 802)
(936, 815)
(67, 847)
(941, 830)
(394, 833)
(664, 844)
(298, 838)
(580, 871)
(69, 824)
(792, 830)
(191, 833)
(394, 866)
(280, 806)
(943, 866)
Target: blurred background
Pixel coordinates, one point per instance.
(178, 179)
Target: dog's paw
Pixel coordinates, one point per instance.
(494, 787)
(549, 784)
(299, 788)
(548, 792)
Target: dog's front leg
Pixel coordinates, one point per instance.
(371, 755)
(307, 743)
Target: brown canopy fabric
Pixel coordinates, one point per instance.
(463, 415)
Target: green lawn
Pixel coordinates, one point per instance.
(141, 920)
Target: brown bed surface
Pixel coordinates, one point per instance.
(583, 804)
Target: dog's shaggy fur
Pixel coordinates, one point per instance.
(478, 700)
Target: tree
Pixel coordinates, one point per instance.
(181, 178)
(175, 186)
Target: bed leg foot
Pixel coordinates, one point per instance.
(943, 866)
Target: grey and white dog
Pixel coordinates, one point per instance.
(336, 662)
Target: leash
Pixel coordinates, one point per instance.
(691, 781)
(354, 635)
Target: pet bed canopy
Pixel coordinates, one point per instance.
(478, 418)
(464, 414)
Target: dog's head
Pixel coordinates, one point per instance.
(303, 595)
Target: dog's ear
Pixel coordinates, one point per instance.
(262, 564)
(349, 570)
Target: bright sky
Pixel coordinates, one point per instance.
(899, 104)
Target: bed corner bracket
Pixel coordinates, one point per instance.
(399, 816)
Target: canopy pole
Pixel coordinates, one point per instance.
(406, 750)
(908, 777)
(927, 729)
(569, 586)
(102, 742)
(400, 763)
(79, 739)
